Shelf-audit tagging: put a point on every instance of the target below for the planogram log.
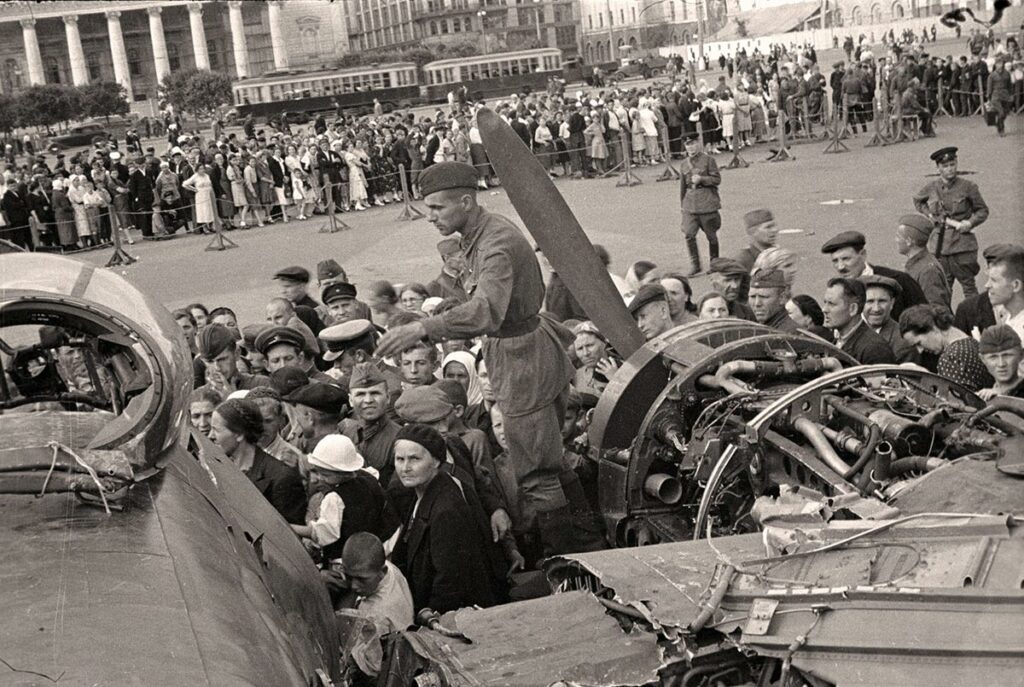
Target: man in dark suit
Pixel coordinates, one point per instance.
(15, 206)
(276, 165)
(850, 260)
(433, 143)
(577, 143)
(843, 306)
(140, 197)
(698, 193)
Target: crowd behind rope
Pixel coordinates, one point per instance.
(348, 164)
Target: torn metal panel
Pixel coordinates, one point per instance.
(664, 580)
(566, 637)
(964, 486)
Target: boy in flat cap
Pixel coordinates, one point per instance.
(317, 409)
(524, 353)
(956, 204)
(217, 349)
(1000, 350)
(294, 284)
(912, 236)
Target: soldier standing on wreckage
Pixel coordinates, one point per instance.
(524, 353)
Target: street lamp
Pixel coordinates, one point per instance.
(483, 30)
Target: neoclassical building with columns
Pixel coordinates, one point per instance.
(136, 43)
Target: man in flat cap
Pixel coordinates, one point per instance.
(1000, 350)
(698, 195)
(369, 426)
(956, 205)
(649, 309)
(294, 284)
(880, 295)
(317, 409)
(843, 306)
(762, 234)
(283, 347)
(850, 260)
(768, 295)
(727, 277)
(525, 354)
(448, 284)
(912, 234)
(217, 348)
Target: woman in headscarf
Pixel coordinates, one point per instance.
(461, 366)
(443, 547)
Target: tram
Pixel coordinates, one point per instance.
(395, 85)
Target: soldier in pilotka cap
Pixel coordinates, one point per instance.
(912, 234)
(525, 354)
(768, 295)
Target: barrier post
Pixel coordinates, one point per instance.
(333, 224)
(628, 178)
(807, 119)
(219, 240)
(409, 211)
(782, 154)
(670, 172)
(120, 255)
(878, 138)
(981, 97)
(899, 135)
(621, 164)
(836, 145)
(942, 101)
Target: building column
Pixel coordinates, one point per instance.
(238, 39)
(195, 20)
(118, 53)
(79, 71)
(32, 55)
(276, 35)
(161, 63)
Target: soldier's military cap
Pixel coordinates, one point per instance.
(328, 269)
(293, 273)
(768, 279)
(1001, 251)
(326, 398)
(887, 283)
(758, 217)
(727, 266)
(273, 336)
(846, 239)
(692, 136)
(648, 293)
(447, 175)
(213, 339)
(337, 291)
(423, 404)
(999, 337)
(943, 155)
(340, 337)
(251, 331)
(918, 225)
(365, 375)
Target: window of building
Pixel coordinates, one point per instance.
(466, 24)
(433, 28)
(134, 63)
(456, 26)
(93, 62)
(173, 58)
(211, 50)
(634, 15)
(444, 26)
(600, 20)
(52, 69)
(622, 16)
(590, 25)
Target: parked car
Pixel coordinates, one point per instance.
(81, 135)
(641, 67)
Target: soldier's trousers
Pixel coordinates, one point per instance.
(963, 268)
(535, 450)
(709, 223)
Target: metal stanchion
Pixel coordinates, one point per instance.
(333, 224)
(878, 138)
(219, 240)
(736, 162)
(409, 211)
(782, 154)
(700, 134)
(120, 255)
(899, 135)
(981, 97)
(621, 164)
(836, 144)
(670, 172)
(628, 178)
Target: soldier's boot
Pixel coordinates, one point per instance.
(556, 531)
(694, 251)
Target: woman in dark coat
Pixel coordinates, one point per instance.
(64, 216)
(42, 210)
(15, 205)
(443, 547)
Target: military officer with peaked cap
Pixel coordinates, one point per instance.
(958, 204)
(352, 343)
(525, 354)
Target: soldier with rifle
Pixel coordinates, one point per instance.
(957, 208)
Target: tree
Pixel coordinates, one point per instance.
(197, 91)
(48, 104)
(8, 113)
(103, 99)
(741, 27)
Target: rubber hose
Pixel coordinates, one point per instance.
(865, 456)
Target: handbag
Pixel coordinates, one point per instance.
(990, 116)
